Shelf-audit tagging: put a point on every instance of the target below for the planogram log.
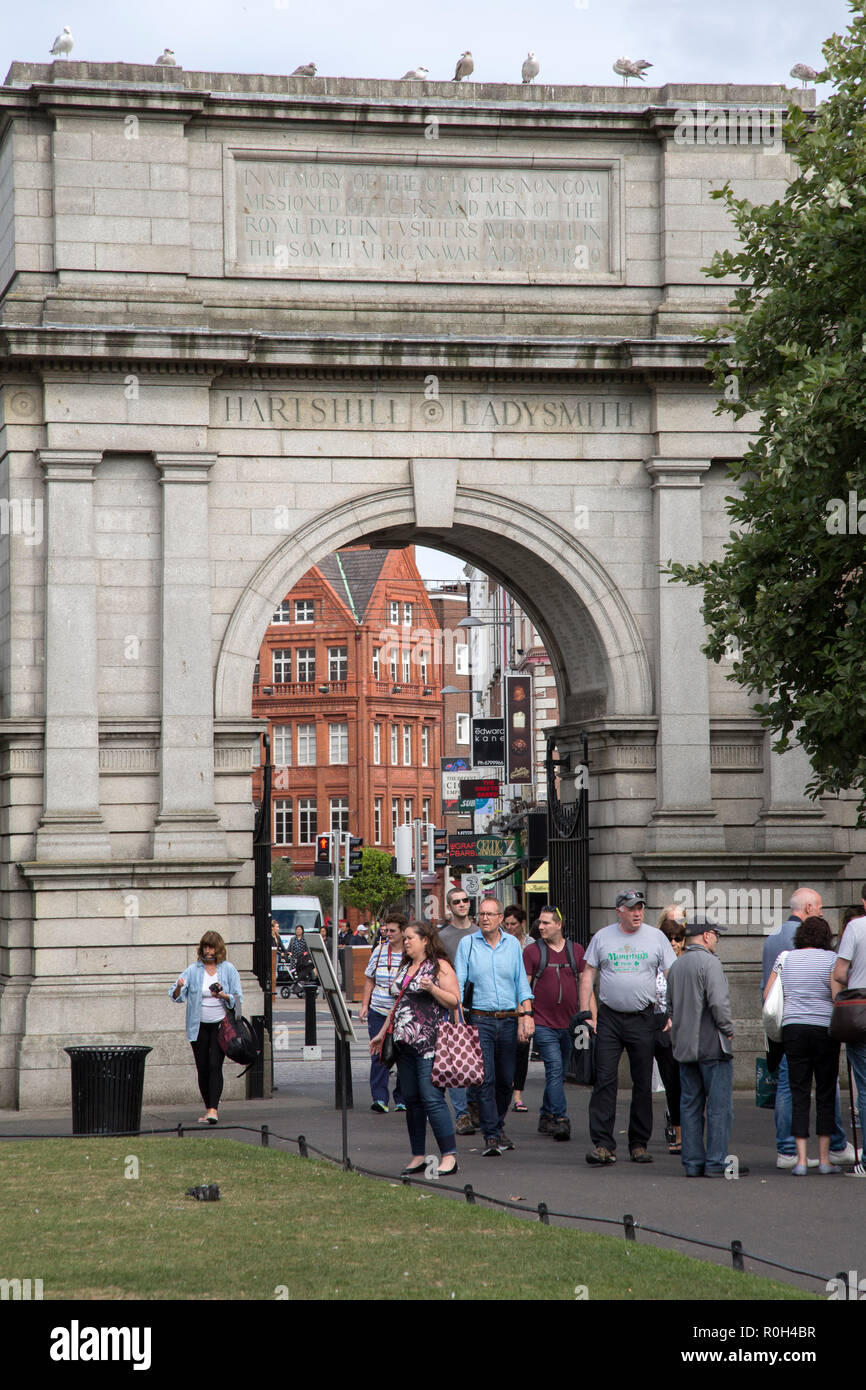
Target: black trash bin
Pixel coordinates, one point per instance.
(107, 1087)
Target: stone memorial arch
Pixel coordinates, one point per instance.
(245, 320)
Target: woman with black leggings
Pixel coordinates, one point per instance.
(208, 986)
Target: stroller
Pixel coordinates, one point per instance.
(294, 974)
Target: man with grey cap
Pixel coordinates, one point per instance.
(701, 1031)
(625, 958)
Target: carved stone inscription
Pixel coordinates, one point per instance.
(527, 412)
(421, 220)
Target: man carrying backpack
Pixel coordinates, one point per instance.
(553, 965)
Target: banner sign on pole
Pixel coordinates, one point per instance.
(518, 729)
(479, 788)
(466, 847)
(488, 742)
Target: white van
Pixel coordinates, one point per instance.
(291, 912)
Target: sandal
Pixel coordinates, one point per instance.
(675, 1148)
(521, 1109)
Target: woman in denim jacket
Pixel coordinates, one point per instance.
(208, 986)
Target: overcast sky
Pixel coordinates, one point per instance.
(576, 41)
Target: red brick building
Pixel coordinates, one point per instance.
(349, 680)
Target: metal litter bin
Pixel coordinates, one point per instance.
(107, 1087)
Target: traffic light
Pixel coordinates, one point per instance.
(323, 867)
(354, 848)
(440, 849)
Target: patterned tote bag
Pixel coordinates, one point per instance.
(458, 1060)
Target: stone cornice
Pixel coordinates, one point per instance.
(130, 873)
(750, 866)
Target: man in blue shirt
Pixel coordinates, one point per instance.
(492, 962)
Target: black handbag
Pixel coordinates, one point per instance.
(848, 1021)
(238, 1040)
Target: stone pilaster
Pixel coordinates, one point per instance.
(788, 820)
(684, 817)
(71, 827)
(187, 825)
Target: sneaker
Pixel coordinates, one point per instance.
(790, 1161)
(464, 1125)
(546, 1124)
(858, 1172)
(600, 1157)
(742, 1172)
(846, 1155)
(474, 1116)
(491, 1147)
(504, 1142)
(399, 1105)
(562, 1129)
(380, 1106)
(640, 1155)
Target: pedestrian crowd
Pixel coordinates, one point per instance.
(659, 994)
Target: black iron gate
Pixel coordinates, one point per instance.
(568, 844)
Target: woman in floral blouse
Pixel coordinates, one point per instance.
(426, 989)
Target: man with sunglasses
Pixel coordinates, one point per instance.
(625, 958)
(702, 1027)
(553, 966)
(461, 925)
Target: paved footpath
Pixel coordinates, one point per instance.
(811, 1224)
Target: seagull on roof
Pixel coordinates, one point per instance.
(63, 44)
(305, 70)
(419, 74)
(465, 66)
(626, 68)
(531, 68)
(166, 59)
(804, 72)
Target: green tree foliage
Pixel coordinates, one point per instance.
(790, 589)
(283, 880)
(375, 888)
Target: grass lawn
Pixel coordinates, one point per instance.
(297, 1228)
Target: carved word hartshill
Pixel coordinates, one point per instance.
(566, 414)
(296, 215)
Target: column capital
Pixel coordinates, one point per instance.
(667, 472)
(184, 468)
(69, 465)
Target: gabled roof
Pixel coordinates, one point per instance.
(353, 575)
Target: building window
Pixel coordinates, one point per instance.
(338, 743)
(392, 663)
(257, 673)
(407, 665)
(408, 809)
(377, 744)
(306, 745)
(461, 659)
(340, 813)
(426, 810)
(395, 745)
(377, 663)
(283, 613)
(306, 664)
(423, 667)
(282, 822)
(282, 745)
(338, 663)
(463, 728)
(407, 615)
(425, 746)
(282, 665)
(395, 818)
(394, 614)
(307, 821)
(304, 610)
(377, 821)
(407, 745)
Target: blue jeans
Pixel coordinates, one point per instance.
(424, 1102)
(857, 1058)
(707, 1092)
(498, 1038)
(379, 1075)
(554, 1046)
(783, 1111)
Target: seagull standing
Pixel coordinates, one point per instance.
(530, 68)
(465, 66)
(305, 70)
(63, 44)
(804, 72)
(417, 74)
(166, 59)
(626, 68)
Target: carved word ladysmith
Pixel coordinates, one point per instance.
(565, 414)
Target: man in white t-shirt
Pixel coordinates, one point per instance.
(850, 972)
(625, 958)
